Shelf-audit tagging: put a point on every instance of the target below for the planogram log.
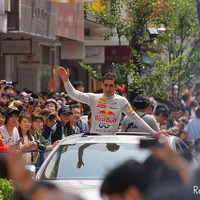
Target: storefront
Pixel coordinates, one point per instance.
(28, 24)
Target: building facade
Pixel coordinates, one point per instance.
(36, 36)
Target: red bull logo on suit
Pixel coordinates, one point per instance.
(107, 112)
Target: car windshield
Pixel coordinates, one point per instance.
(90, 161)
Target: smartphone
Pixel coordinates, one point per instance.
(148, 143)
(20, 140)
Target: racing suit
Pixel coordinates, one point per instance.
(107, 111)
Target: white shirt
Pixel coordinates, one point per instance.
(106, 111)
(9, 138)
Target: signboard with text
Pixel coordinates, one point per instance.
(94, 55)
(16, 46)
(116, 54)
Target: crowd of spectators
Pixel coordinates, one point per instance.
(34, 120)
(38, 121)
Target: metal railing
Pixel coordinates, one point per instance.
(41, 156)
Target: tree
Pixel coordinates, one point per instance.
(181, 42)
(175, 60)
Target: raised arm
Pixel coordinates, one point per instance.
(64, 73)
(72, 92)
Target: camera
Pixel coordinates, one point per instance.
(40, 146)
(51, 117)
(21, 108)
(152, 32)
(31, 101)
(7, 83)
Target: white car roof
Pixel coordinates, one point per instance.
(122, 138)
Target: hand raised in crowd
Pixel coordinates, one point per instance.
(174, 161)
(17, 171)
(2, 86)
(52, 119)
(51, 122)
(64, 73)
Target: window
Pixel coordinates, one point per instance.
(90, 160)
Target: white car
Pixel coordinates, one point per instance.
(79, 162)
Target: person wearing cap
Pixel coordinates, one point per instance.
(24, 94)
(9, 129)
(51, 105)
(59, 130)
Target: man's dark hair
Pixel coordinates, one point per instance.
(77, 84)
(141, 103)
(110, 76)
(193, 103)
(73, 102)
(8, 87)
(164, 106)
(164, 112)
(3, 111)
(130, 173)
(172, 109)
(35, 117)
(197, 113)
(45, 112)
(9, 114)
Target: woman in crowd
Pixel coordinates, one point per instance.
(37, 107)
(36, 130)
(27, 142)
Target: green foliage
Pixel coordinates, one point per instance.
(6, 189)
(181, 42)
(175, 51)
(90, 69)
